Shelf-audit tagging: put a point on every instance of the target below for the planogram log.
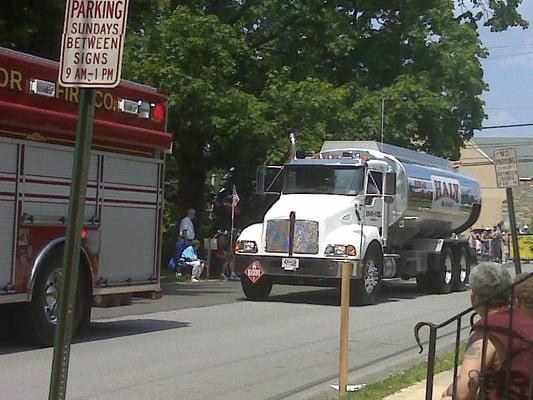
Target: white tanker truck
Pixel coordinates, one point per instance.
(390, 211)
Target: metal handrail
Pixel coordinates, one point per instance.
(485, 378)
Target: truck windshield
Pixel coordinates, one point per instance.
(323, 179)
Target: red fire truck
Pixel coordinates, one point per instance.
(123, 212)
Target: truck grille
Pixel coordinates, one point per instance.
(305, 236)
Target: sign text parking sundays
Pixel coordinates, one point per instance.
(93, 39)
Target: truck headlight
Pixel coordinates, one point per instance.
(340, 250)
(245, 246)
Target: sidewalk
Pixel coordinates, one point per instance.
(418, 391)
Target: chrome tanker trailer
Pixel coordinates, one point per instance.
(390, 211)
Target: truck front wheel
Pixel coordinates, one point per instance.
(43, 311)
(258, 290)
(363, 290)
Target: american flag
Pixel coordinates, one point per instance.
(234, 197)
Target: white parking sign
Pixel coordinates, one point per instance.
(92, 43)
(506, 167)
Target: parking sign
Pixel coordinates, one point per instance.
(506, 167)
(92, 43)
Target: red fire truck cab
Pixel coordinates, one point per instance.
(123, 211)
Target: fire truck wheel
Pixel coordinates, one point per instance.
(256, 291)
(461, 270)
(44, 307)
(363, 291)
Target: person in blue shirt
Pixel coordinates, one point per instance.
(174, 262)
(189, 257)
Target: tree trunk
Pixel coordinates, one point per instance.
(191, 181)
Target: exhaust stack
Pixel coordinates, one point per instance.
(292, 147)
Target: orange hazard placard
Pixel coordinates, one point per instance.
(254, 272)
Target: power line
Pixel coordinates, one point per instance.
(525, 53)
(507, 143)
(518, 159)
(509, 45)
(510, 108)
(506, 126)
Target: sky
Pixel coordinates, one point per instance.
(508, 70)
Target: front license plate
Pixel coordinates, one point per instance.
(290, 264)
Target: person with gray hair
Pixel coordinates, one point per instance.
(489, 279)
(187, 225)
(490, 285)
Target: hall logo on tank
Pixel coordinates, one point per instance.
(446, 192)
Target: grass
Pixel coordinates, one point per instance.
(395, 382)
(169, 276)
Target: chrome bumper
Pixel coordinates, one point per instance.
(312, 268)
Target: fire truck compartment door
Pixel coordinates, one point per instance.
(129, 220)
(8, 170)
(48, 172)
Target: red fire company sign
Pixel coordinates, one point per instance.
(93, 39)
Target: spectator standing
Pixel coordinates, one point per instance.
(187, 225)
(505, 247)
(496, 243)
(472, 240)
(479, 244)
(488, 283)
(225, 259)
(190, 258)
(485, 239)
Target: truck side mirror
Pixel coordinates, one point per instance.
(260, 180)
(269, 179)
(358, 215)
(390, 184)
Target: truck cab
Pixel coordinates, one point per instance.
(330, 209)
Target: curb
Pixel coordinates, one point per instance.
(418, 390)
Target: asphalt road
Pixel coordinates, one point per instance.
(204, 341)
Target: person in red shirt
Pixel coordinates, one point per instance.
(224, 258)
(524, 294)
(488, 282)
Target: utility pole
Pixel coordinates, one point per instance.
(382, 117)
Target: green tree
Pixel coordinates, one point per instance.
(194, 58)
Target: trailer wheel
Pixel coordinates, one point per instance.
(462, 268)
(439, 279)
(256, 291)
(363, 291)
(424, 283)
(44, 308)
(445, 271)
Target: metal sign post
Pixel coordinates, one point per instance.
(507, 177)
(87, 61)
(514, 232)
(71, 258)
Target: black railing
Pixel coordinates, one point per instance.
(486, 381)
